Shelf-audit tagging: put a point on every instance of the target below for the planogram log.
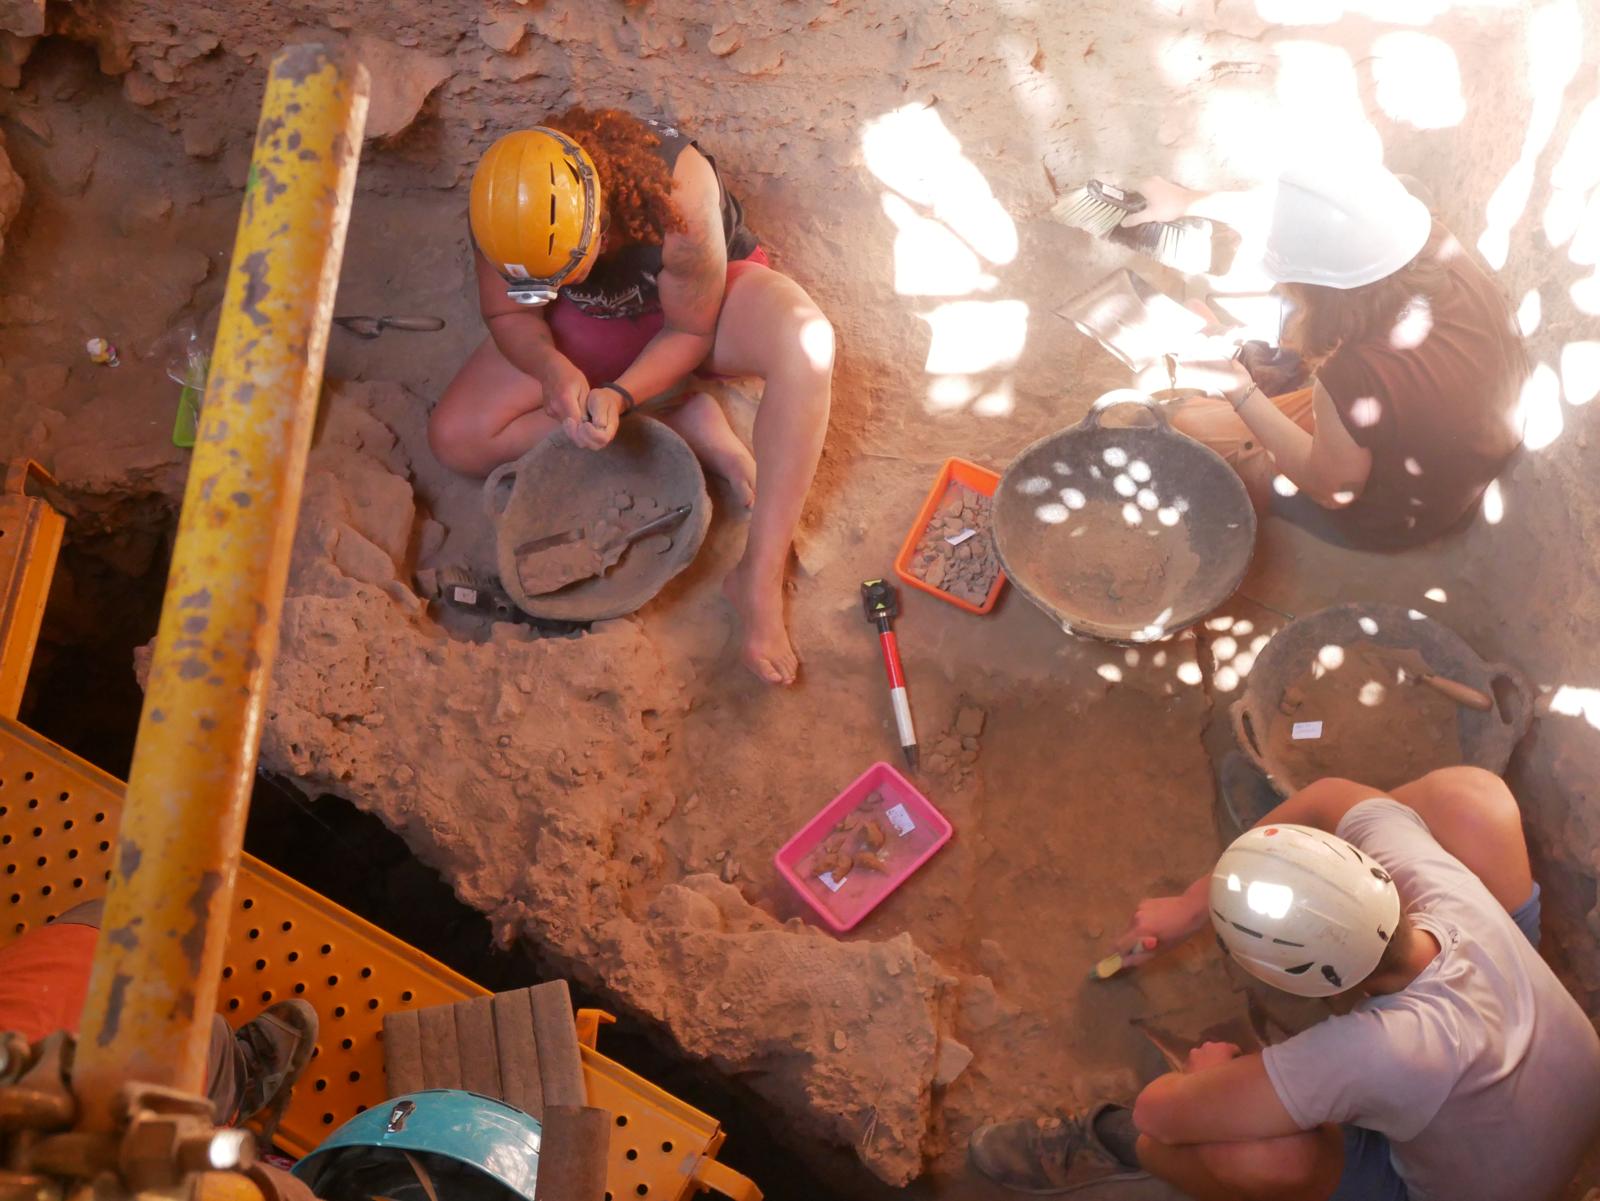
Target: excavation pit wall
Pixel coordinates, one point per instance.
(615, 798)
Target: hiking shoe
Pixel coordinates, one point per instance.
(1056, 1154)
(277, 1045)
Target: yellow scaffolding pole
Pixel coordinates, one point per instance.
(154, 986)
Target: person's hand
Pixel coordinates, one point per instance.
(1163, 201)
(1210, 1055)
(602, 412)
(1158, 923)
(1274, 369)
(565, 391)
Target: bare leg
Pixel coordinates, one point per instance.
(1474, 816)
(771, 328)
(1299, 1167)
(1214, 423)
(488, 415)
(700, 421)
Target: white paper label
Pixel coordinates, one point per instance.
(900, 820)
(832, 884)
(958, 539)
(464, 596)
(1306, 729)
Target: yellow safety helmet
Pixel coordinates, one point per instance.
(535, 212)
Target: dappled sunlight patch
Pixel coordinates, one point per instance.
(1580, 372)
(1530, 312)
(1585, 295)
(1555, 53)
(972, 336)
(1494, 503)
(1412, 327)
(1319, 95)
(1569, 701)
(816, 340)
(1366, 411)
(929, 259)
(946, 392)
(911, 151)
(1418, 80)
(1541, 408)
(1437, 595)
(998, 401)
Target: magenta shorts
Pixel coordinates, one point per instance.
(604, 347)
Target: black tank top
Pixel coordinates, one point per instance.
(623, 283)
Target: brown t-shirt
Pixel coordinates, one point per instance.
(1436, 400)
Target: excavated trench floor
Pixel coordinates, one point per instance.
(613, 800)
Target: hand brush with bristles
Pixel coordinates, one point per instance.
(1185, 245)
(1100, 208)
(1097, 207)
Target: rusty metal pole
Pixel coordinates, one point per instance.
(153, 990)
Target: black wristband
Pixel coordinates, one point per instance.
(628, 402)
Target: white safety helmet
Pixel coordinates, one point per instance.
(1343, 224)
(1303, 910)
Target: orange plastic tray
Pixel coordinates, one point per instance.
(979, 479)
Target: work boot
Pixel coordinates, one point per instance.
(1061, 1153)
(276, 1046)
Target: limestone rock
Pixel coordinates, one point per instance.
(503, 33)
(24, 18)
(401, 80)
(952, 1060)
(14, 51)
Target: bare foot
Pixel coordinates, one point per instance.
(759, 603)
(701, 423)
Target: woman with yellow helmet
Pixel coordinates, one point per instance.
(612, 266)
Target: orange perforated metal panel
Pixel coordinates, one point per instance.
(58, 817)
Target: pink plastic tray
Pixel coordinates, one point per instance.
(925, 831)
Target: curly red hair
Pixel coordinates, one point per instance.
(634, 180)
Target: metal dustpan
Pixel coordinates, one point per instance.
(1132, 320)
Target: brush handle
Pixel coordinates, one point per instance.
(1461, 694)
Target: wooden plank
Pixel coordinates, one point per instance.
(480, 1073)
(441, 1058)
(517, 1053)
(556, 1032)
(402, 1052)
(573, 1154)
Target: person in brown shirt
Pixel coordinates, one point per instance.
(1395, 398)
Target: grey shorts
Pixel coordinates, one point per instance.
(1369, 1173)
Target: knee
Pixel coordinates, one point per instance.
(453, 436)
(1479, 792)
(805, 350)
(1299, 1167)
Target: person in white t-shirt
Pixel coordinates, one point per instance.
(1465, 1072)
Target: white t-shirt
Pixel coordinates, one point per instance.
(1483, 1071)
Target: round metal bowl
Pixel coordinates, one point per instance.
(557, 486)
(1126, 534)
(1487, 739)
